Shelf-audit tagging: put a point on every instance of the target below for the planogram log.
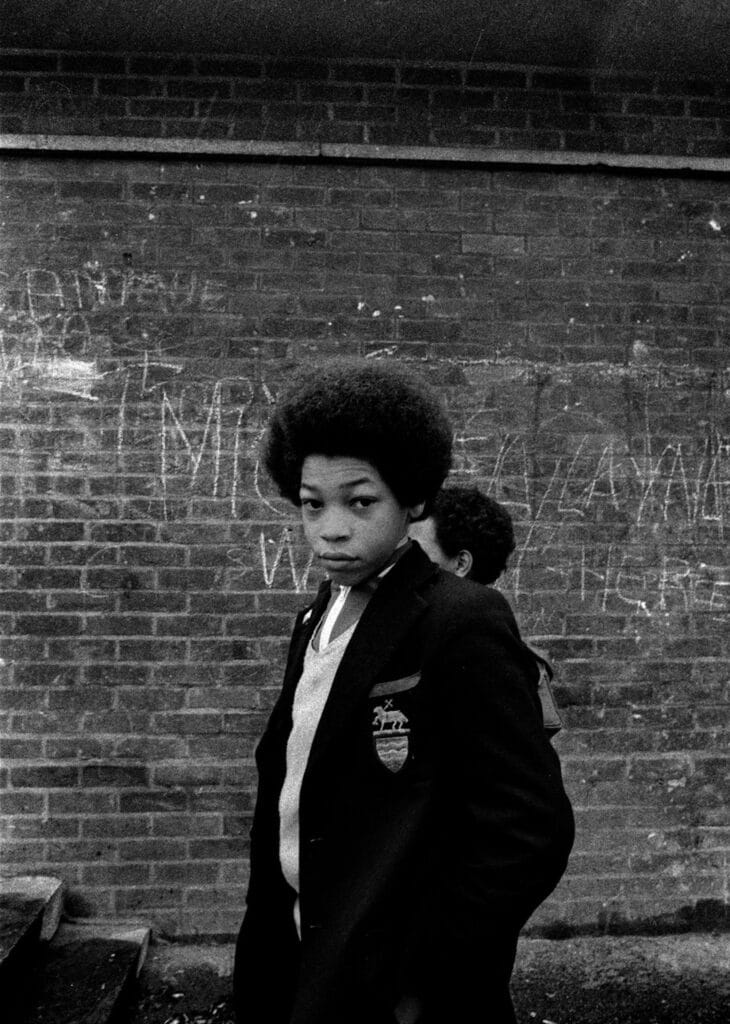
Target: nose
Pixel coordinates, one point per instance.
(334, 526)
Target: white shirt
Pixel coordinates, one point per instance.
(310, 697)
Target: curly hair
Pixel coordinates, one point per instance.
(467, 519)
(366, 410)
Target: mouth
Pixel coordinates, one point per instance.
(336, 564)
(333, 558)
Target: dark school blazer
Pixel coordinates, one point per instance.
(433, 818)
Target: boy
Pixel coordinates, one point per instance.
(467, 533)
(410, 813)
(471, 534)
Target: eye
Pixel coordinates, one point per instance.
(311, 504)
(363, 501)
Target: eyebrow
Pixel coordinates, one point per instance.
(363, 480)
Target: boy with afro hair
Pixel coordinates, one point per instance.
(410, 813)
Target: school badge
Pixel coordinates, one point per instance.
(390, 734)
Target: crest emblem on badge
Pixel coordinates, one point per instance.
(390, 733)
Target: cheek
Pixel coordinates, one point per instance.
(394, 525)
(307, 528)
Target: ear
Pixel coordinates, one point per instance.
(414, 511)
(463, 563)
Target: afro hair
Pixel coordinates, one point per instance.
(467, 519)
(366, 410)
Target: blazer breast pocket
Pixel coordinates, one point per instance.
(391, 686)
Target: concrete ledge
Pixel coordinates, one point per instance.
(86, 975)
(30, 911)
(254, 148)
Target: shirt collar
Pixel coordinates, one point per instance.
(371, 584)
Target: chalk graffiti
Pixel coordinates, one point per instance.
(43, 292)
(277, 555)
(618, 580)
(178, 428)
(299, 574)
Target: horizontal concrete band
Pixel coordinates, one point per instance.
(346, 151)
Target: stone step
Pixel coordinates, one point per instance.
(85, 975)
(30, 911)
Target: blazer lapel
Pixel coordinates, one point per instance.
(305, 625)
(384, 623)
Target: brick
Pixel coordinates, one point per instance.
(150, 650)
(212, 897)
(147, 748)
(128, 86)
(37, 62)
(20, 802)
(76, 748)
(61, 776)
(115, 874)
(161, 65)
(361, 197)
(186, 874)
(11, 83)
(107, 64)
(657, 105)
(20, 749)
(113, 826)
(189, 724)
(487, 78)
(152, 850)
(49, 625)
(212, 89)
(131, 802)
(85, 802)
(296, 69)
(234, 66)
(215, 849)
(21, 853)
(143, 899)
(188, 775)
(432, 75)
(187, 825)
(560, 80)
(49, 579)
(493, 244)
(349, 72)
(113, 775)
(415, 134)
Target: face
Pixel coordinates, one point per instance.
(424, 531)
(352, 520)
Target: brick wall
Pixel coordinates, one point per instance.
(575, 322)
(375, 102)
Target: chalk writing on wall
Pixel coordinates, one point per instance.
(593, 465)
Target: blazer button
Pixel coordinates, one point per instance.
(315, 839)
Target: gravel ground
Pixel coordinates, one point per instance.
(671, 979)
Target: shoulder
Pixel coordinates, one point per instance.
(451, 597)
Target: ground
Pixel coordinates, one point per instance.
(671, 979)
